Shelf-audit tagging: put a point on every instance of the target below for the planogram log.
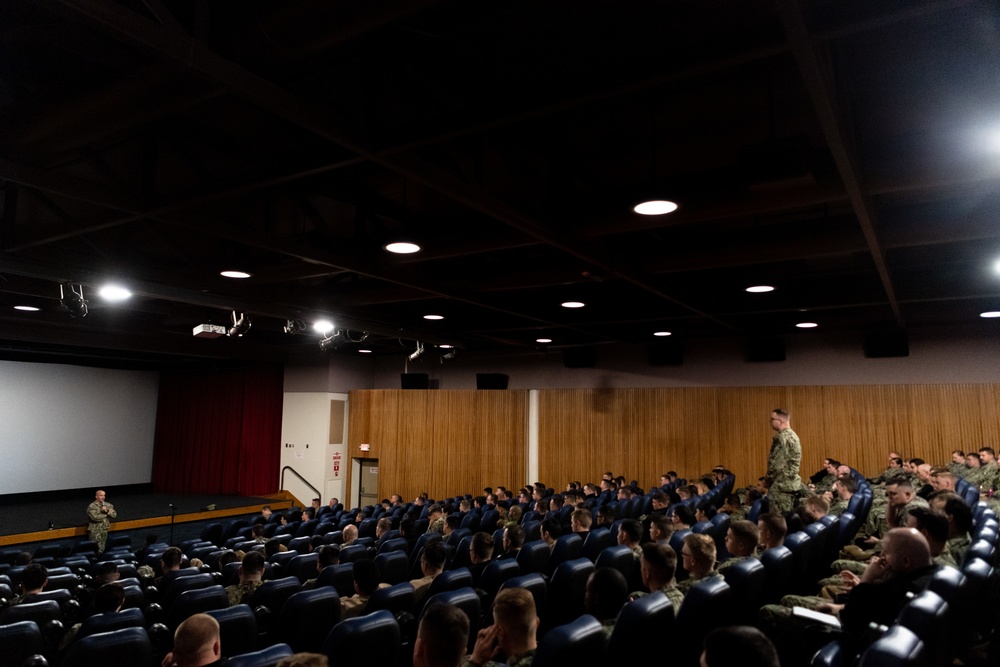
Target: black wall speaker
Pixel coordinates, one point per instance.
(491, 380)
(414, 380)
(580, 357)
(880, 344)
(765, 349)
(666, 353)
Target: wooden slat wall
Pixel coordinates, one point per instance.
(442, 442)
(640, 433)
(445, 442)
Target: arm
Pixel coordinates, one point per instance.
(94, 513)
(111, 510)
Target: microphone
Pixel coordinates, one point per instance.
(172, 506)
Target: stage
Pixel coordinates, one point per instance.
(36, 519)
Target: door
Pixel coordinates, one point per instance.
(369, 482)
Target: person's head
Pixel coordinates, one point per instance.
(252, 567)
(987, 455)
(898, 492)
(705, 513)
(442, 637)
(741, 645)
(326, 555)
(580, 520)
(551, 530)
(396, 500)
(197, 642)
(513, 538)
(452, 523)
(516, 620)
(366, 576)
(779, 419)
(683, 517)
(660, 527)
(772, 528)
(109, 598)
(698, 554)
(658, 565)
(383, 526)
(958, 456)
(107, 572)
(845, 487)
(100, 496)
(972, 460)
(308, 514)
(257, 530)
(895, 462)
(943, 479)
(742, 538)
(542, 506)
(350, 533)
(817, 507)
(464, 505)
(434, 512)
(33, 578)
(265, 511)
(831, 465)
(433, 559)
(272, 547)
(629, 532)
(304, 660)
(605, 516)
(955, 508)
(514, 514)
(659, 500)
(481, 547)
(171, 559)
(924, 472)
(932, 525)
(606, 593)
(905, 550)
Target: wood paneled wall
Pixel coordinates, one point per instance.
(442, 442)
(445, 442)
(640, 433)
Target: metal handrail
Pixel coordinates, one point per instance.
(304, 481)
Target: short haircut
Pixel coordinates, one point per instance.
(514, 535)
(482, 545)
(552, 527)
(172, 557)
(662, 523)
(745, 532)
(834, 462)
(818, 502)
(898, 461)
(109, 597)
(444, 634)
(742, 645)
(384, 523)
(607, 514)
(193, 636)
(366, 575)
(328, 554)
(974, 455)
(453, 522)
(257, 530)
(34, 576)
(781, 412)
(709, 511)
(514, 611)
(606, 594)
(934, 523)
(253, 563)
(582, 517)
(304, 660)
(661, 559)
(107, 567)
(435, 555)
(849, 483)
(987, 450)
(902, 484)
(685, 514)
(310, 512)
(661, 498)
(917, 462)
(632, 529)
(701, 546)
(959, 511)
(775, 523)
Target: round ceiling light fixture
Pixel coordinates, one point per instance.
(323, 326)
(433, 317)
(661, 334)
(806, 325)
(364, 350)
(990, 314)
(655, 207)
(114, 293)
(402, 247)
(573, 304)
(543, 341)
(27, 309)
(760, 289)
(234, 274)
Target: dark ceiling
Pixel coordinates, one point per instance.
(846, 153)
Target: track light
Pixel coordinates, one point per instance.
(73, 303)
(449, 355)
(294, 327)
(241, 325)
(334, 341)
(416, 354)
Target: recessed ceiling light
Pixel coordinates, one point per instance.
(661, 333)
(655, 207)
(234, 274)
(433, 317)
(543, 340)
(990, 313)
(27, 309)
(572, 304)
(114, 293)
(323, 326)
(402, 247)
(364, 351)
(760, 289)
(807, 325)
(446, 346)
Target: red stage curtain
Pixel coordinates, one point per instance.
(218, 432)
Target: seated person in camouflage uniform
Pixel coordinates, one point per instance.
(661, 527)
(959, 517)
(658, 566)
(512, 635)
(771, 530)
(480, 553)
(742, 645)
(934, 527)
(683, 517)
(366, 582)
(326, 555)
(629, 534)
(432, 562)
(843, 489)
(698, 558)
(742, 538)
(606, 594)
(251, 573)
(816, 507)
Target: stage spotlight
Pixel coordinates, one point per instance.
(416, 354)
(334, 341)
(73, 302)
(294, 327)
(449, 355)
(241, 325)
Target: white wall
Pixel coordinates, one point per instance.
(306, 446)
(71, 427)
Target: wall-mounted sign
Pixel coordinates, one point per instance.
(337, 460)
(365, 447)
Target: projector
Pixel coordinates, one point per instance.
(209, 331)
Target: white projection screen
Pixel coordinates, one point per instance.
(70, 427)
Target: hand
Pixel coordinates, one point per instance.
(168, 660)
(871, 540)
(830, 608)
(850, 579)
(486, 645)
(876, 569)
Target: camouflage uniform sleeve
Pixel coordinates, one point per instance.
(94, 513)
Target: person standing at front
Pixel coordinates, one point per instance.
(99, 515)
(782, 478)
